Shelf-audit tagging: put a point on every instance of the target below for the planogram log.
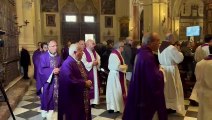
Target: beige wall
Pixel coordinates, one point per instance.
(122, 9)
(26, 11)
(154, 13)
(37, 30)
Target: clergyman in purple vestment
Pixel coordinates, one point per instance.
(91, 60)
(47, 86)
(35, 59)
(74, 101)
(146, 91)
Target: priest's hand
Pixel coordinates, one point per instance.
(123, 68)
(56, 70)
(95, 63)
(88, 83)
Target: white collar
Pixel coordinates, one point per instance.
(52, 54)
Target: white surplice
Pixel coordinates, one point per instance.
(114, 99)
(89, 66)
(200, 53)
(204, 89)
(174, 96)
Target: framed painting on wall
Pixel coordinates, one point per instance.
(124, 30)
(108, 21)
(50, 20)
(108, 7)
(49, 5)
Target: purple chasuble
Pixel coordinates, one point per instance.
(73, 101)
(90, 73)
(50, 90)
(205, 44)
(209, 57)
(146, 90)
(35, 60)
(121, 76)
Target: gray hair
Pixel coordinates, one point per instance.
(128, 39)
(169, 37)
(72, 49)
(118, 44)
(147, 38)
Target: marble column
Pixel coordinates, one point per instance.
(19, 6)
(155, 16)
(136, 21)
(25, 11)
(38, 29)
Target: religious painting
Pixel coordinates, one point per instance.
(124, 30)
(108, 21)
(50, 20)
(49, 5)
(108, 7)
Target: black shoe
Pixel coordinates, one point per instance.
(93, 105)
(117, 112)
(170, 111)
(110, 111)
(194, 103)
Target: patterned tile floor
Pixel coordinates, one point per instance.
(29, 109)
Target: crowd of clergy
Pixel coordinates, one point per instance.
(143, 81)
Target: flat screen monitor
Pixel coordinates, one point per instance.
(193, 31)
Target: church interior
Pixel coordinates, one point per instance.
(24, 23)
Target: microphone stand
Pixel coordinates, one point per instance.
(3, 95)
(4, 98)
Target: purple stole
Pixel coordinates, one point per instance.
(121, 76)
(206, 44)
(209, 57)
(86, 91)
(90, 73)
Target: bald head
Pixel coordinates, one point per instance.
(52, 46)
(90, 44)
(151, 40)
(149, 37)
(170, 38)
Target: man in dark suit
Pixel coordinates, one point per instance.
(25, 61)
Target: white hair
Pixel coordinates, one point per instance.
(118, 44)
(72, 49)
(169, 37)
